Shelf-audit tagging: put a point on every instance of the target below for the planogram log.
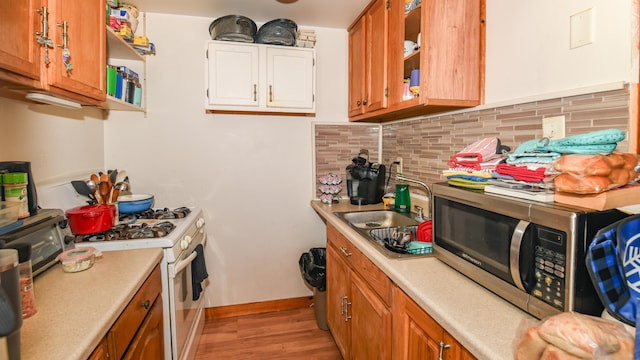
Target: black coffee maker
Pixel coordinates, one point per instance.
(365, 180)
(25, 167)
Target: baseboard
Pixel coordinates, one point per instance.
(257, 307)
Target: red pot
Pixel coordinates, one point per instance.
(91, 219)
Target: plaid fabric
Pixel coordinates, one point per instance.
(610, 262)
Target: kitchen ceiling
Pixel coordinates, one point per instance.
(318, 13)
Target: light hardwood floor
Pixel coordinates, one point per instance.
(282, 335)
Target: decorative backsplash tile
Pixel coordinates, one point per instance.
(427, 143)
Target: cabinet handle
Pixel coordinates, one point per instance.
(255, 92)
(342, 304)
(65, 35)
(346, 309)
(146, 305)
(442, 347)
(66, 54)
(364, 102)
(270, 93)
(42, 37)
(359, 103)
(345, 252)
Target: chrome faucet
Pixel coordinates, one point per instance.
(400, 177)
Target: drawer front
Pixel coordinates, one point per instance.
(378, 281)
(126, 327)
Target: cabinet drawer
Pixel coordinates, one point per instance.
(378, 281)
(125, 328)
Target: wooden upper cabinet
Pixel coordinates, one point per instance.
(85, 42)
(357, 68)
(450, 58)
(368, 58)
(32, 45)
(19, 51)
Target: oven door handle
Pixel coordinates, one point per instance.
(514, 253)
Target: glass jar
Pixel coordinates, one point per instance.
(25, 276)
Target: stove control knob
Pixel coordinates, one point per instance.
(200, 223)
(184, 244)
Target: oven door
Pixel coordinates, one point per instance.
(184, 310)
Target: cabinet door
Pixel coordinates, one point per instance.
(370, 323)
(377, 26)
(233, 75)
(149, 342)
(416, 334)
(85, 41)
(357, 70)
(101, 352)
(338, 278)
(19, 50)
(290, 78)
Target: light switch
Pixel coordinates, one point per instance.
(553, 127)
(581, 25)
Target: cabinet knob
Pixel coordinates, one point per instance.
(359, 103)
(146, 305)
(364, 102)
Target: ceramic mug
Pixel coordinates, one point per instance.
(409, 47)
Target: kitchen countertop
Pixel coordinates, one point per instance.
(75, 310)
(482, 322)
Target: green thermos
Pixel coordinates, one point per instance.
(403, 198)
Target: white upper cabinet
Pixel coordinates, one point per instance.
(258, 78)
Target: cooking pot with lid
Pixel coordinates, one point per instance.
(91, 219)
(278, 32)
(233, 28)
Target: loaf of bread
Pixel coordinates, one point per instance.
(571, 336)
(554, 353)
(580, 335)
(592, 165)
(531, 345)
(595, 165)
(579, 184)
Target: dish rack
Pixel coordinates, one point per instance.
(386, 237)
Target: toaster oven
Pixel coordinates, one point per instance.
(48, 234)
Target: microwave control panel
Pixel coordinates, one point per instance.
(550, 266)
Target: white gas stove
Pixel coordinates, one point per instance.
(182, 240)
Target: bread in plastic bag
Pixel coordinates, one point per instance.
(594, 174)
(570, 335)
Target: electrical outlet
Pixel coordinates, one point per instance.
(553, 127)
(399, 166)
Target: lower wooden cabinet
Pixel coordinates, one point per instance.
(358, 317)
(371, 318)
(416, 335)
(137, 333)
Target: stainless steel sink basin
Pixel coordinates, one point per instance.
(376, 219)
(377, 227)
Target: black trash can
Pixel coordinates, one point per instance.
(313, 268)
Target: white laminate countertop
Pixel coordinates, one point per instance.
(75, 310)
(482, 322)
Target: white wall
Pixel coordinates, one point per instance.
(528, 47)
(59, 142)
(252, 175)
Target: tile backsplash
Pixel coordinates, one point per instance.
(427, 143)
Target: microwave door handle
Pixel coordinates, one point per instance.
(514, 253)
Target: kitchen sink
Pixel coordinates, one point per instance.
(380, 227)
(376, 219)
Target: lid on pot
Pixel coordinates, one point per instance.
(278, 32)
(89, 208)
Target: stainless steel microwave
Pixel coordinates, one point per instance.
(532, 254)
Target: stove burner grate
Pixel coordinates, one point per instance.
(131, 231)
(159, 214)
